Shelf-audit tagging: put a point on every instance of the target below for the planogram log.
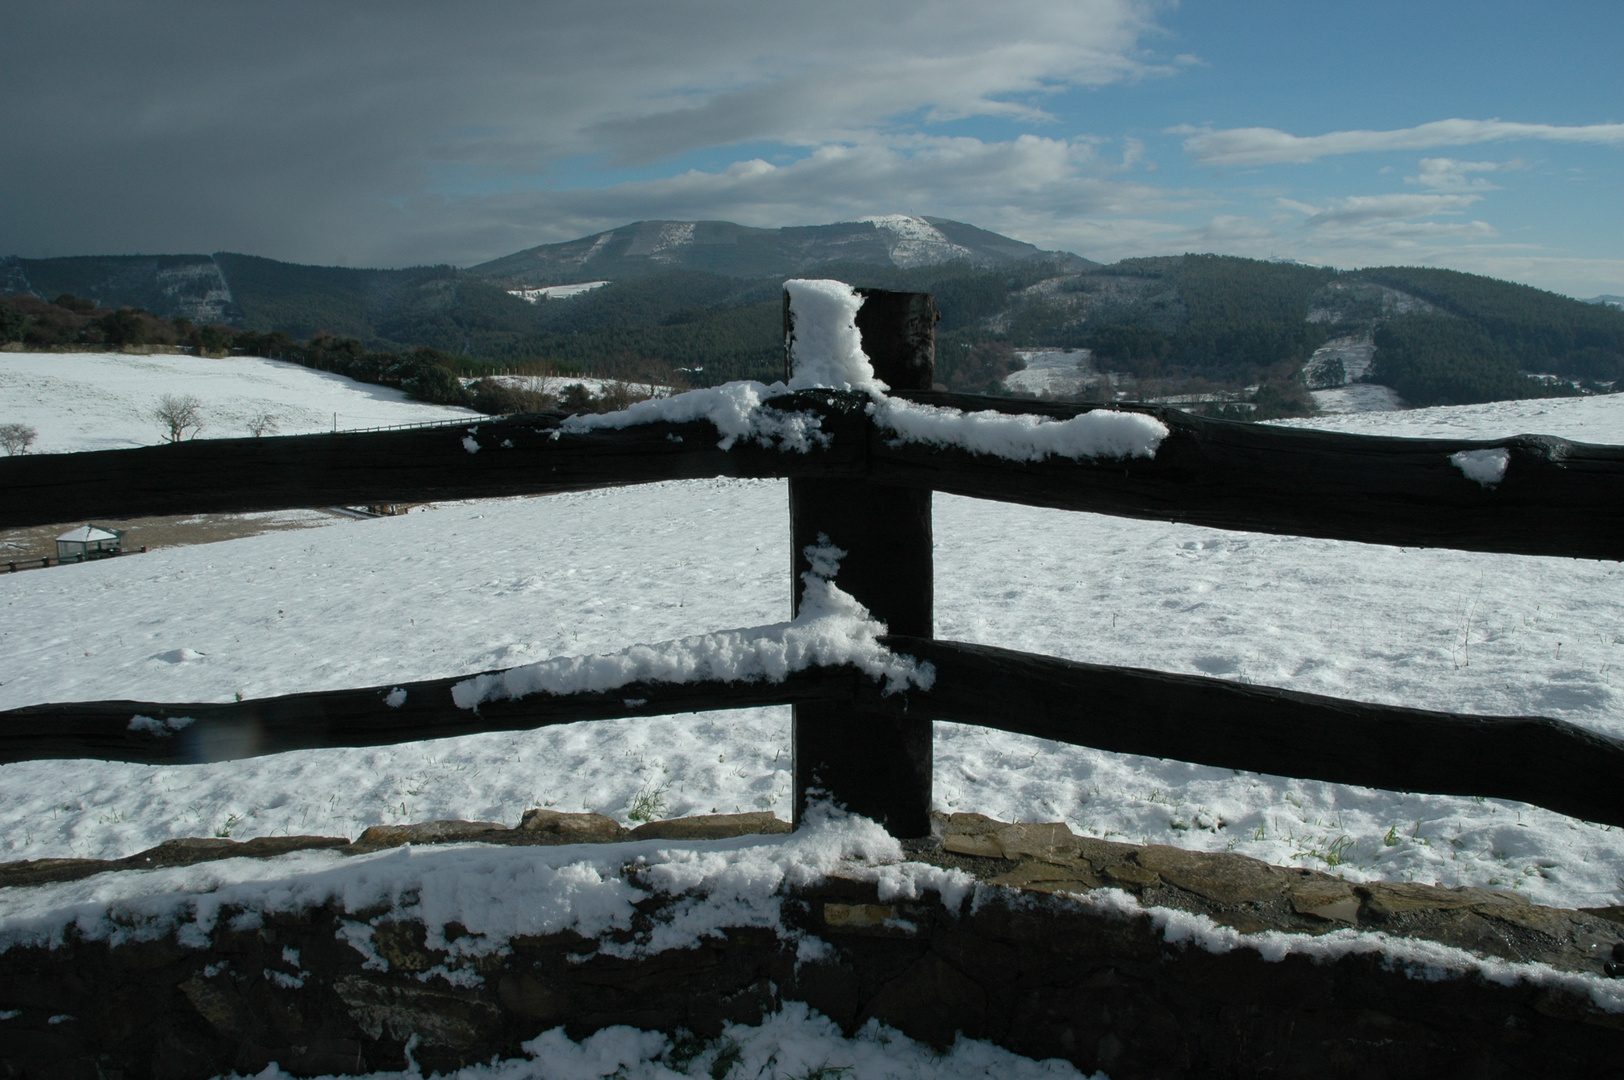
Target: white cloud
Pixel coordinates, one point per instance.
(1361, 209)
(1447, 174)
(1133, 153)
(1239, 147)
(279, 128)
(1574, 275)
(416, 132)
(1033, 187)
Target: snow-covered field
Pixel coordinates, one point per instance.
(1356, 398)
(470, 586)
(1059, 372)
(104, 401)
(1597, 419)
(473, 586)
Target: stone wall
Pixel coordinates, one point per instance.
(1022, 963)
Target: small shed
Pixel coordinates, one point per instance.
(90, 542)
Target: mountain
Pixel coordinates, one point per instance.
(701, 300)
(1607, 300)
(721, 247)
(662, 269)
(380, 307)
(264, 294)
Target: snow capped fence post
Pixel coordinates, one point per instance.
(875, 764)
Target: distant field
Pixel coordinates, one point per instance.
(103, 401)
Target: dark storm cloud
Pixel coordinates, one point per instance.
(390, 133)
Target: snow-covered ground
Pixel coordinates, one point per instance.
(1340, 361)
(467, 587)
(470, 586)
(1056, 372)
(104, 401)
(1598, 419)
(1357, 398)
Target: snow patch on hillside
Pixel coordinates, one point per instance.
(916, 242)
(1062, 373)
(556, 292)
(1339, 361)
(677, 234)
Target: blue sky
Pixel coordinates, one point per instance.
(1483, 136)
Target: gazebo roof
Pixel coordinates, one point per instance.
(89, 534)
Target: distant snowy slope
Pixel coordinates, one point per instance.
(103, 401)
(1597, 419)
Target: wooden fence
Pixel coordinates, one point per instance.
(872, 496)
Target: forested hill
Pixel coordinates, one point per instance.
(1191, 320)
(644, 248)
(1440, 336)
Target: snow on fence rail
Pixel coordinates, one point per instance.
(861, 480)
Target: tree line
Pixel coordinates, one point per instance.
(1444, 360)
(422, 372)
(74, 320)
(1539, 330)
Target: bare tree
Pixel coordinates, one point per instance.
(262, 424)
(17, 438)
(179, 413)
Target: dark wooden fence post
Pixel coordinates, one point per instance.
(873, 764)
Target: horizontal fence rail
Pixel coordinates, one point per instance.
(870, 493)
(514, 456)
(1558, 497)
(196, 732)
(1206, 721)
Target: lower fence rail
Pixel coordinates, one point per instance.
(1205, 721)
